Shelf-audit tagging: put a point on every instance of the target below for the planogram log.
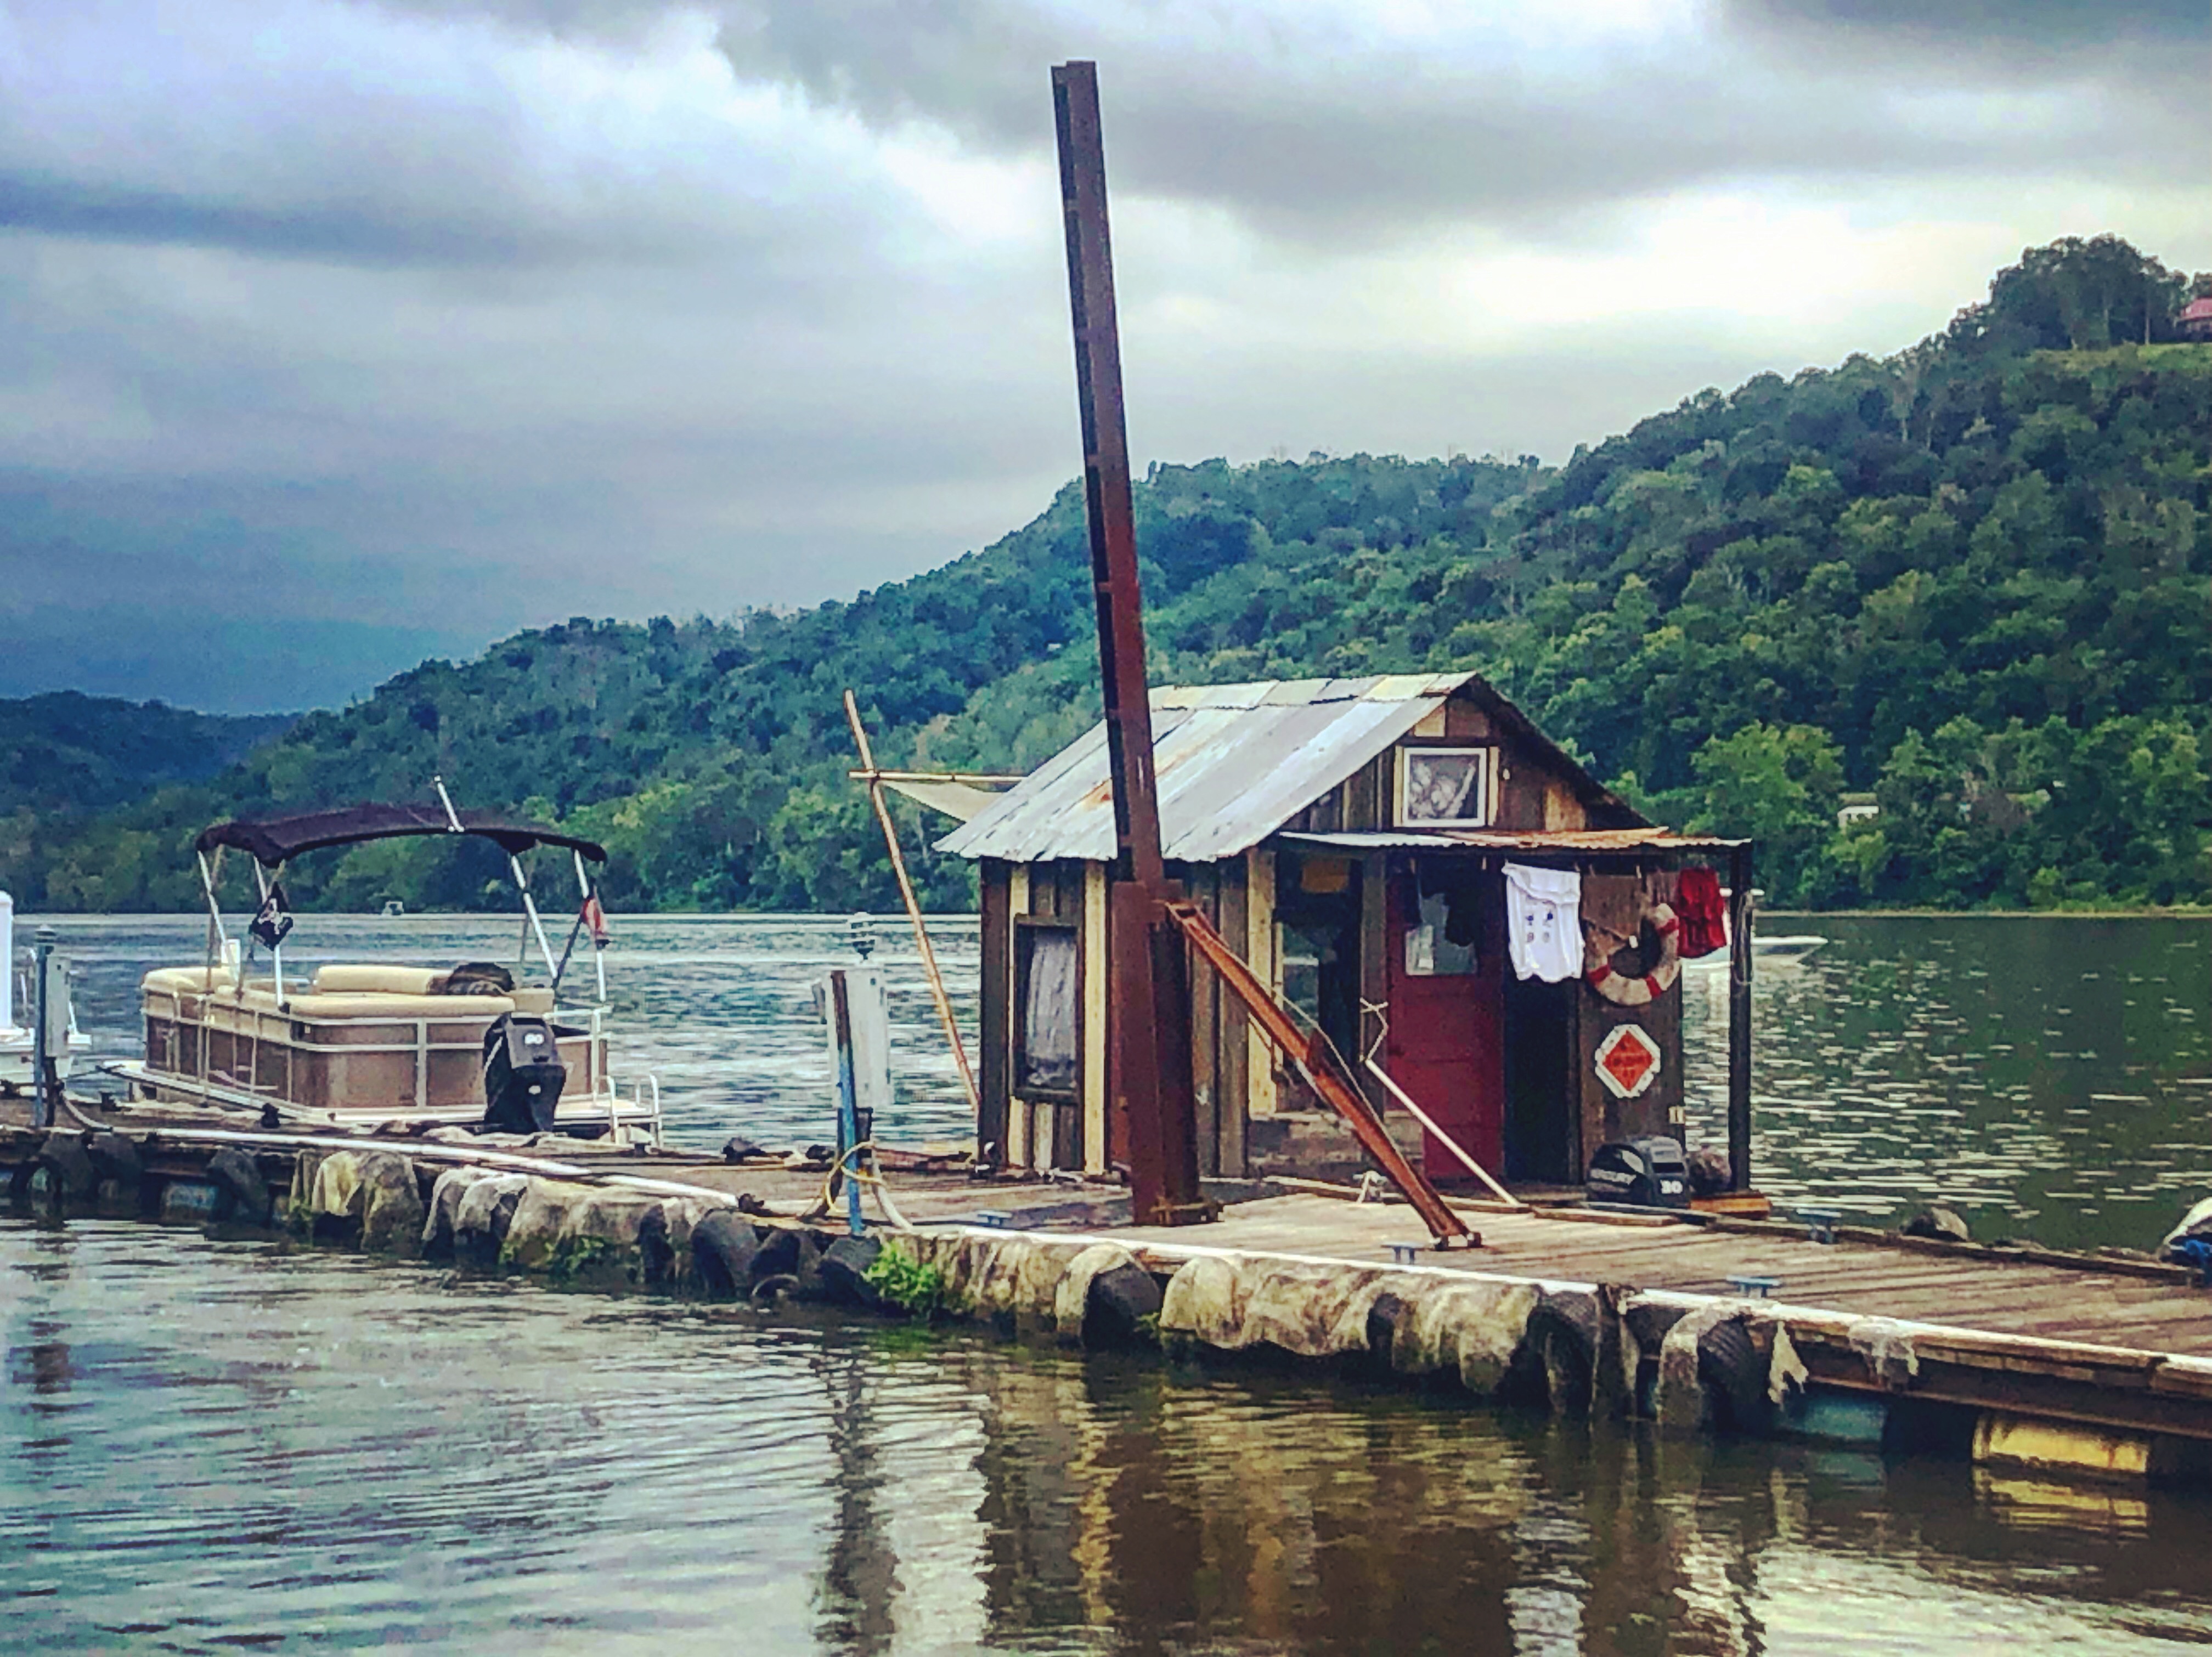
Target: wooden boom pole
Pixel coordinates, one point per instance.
(1153, 1114)
(875, 781)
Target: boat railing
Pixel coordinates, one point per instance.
(644, 1101)
(408, 1035)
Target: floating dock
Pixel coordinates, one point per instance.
(2081, 1365)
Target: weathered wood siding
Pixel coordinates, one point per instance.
(994, 1034)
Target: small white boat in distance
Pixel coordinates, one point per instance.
(18, 1042)
(1784, 950)
(1781, 951)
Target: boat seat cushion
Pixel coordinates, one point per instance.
(379, 979)
(366, 1003)
(186, 980)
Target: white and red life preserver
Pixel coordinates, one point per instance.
(1623, 991)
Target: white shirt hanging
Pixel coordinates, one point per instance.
(1543, 921)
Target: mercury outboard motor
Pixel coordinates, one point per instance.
(1648, 1172)
(523, 1075)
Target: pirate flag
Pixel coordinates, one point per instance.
(273, 920)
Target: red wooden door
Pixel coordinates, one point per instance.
(1446, 1028)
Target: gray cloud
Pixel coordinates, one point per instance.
(1313, 135)
(462, 316)
(353, 135)
(2046, 26)
(1313, 126)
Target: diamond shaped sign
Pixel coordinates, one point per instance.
(1627, 1061)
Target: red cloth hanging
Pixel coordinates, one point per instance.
(1704, 915)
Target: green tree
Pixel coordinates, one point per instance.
(1780, 785)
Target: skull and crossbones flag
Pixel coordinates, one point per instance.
(273, 920)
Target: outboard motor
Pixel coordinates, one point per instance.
(523, 1075)
(1650, 1172)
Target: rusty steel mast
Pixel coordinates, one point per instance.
(1148, 1018)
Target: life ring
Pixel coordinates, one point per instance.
(1625, 992)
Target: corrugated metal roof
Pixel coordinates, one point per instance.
(1234, 763)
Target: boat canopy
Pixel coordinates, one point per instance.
(273, 841)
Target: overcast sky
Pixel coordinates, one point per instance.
(336, 332)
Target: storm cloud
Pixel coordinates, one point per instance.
(425, 321)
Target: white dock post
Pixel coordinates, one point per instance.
(47, 1010)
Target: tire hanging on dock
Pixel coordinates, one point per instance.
(1734, 1375)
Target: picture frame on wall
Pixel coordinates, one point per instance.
(1445, 787)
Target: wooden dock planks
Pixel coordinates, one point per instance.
(1999, 1297)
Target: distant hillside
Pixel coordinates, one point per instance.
(1967, 581)
(66, 752)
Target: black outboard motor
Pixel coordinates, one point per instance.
(1648, 1172)
(523, 1075)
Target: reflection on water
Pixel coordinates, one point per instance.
(206, 1445)
(2050, 1078)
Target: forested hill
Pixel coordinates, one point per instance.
(65, 752)
(1966, 585)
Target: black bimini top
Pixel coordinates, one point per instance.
(273, 841)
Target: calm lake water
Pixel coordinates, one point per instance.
(211, 1446)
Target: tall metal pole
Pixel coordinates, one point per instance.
(1148, 1010)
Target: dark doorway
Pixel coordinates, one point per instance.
(1318, 905)
(1543, 1133)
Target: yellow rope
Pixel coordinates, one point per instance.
(829, 1179)
(827, 1201)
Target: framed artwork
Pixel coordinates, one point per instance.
(1444, 787)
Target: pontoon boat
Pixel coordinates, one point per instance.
(371, 1043)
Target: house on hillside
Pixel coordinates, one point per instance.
(1351, 839)
(2197, 319)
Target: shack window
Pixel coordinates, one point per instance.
(1444, 785)
(1047, 999)
(1431, 950)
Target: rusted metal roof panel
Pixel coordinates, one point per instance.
(1234, 763)
(1556, 840)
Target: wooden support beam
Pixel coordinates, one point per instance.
(994, 1034)
(1259, 930)
(1097, 1149)
(1740, 911)
(944, 1013)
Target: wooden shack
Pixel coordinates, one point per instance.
(1351, 838)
